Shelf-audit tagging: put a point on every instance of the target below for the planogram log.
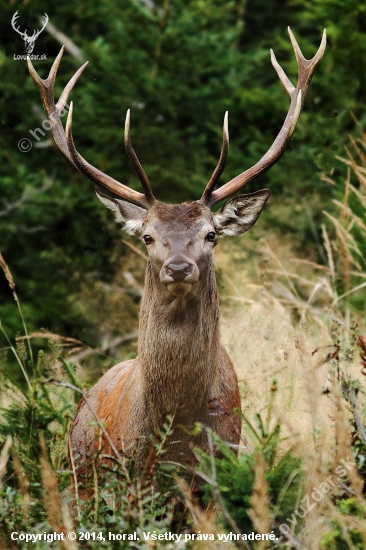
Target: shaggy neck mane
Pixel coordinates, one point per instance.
(178, 348)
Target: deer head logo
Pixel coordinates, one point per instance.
(29, 40)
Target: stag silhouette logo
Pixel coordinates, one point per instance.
(29, 40)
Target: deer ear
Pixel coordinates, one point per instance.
(130, 216)
(240, 213)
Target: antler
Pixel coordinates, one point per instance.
(221, 164)
(306, 69)
(136, 163)
(65, 143)
(24, 34)
(13, 22)
(37, 33)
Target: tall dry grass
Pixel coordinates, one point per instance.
(304, 324)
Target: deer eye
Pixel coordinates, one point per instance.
(210, 237)
(148, 239)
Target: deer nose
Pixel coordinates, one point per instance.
(179, 270)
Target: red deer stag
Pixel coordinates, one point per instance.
(181, 370)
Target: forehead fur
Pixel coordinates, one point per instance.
(186, 213)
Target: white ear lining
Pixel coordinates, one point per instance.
(112, 205)
(133, 227)
(240, 213)
(129, 215)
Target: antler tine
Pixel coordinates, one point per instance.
(287, 84)
(60, 105)
(222, 161)
(44, 23)
(136, 163)
(14, 22)
(297, 94)
(298, 53)
(96, 175)
(52, 110)
(45, 17)
(64, 141)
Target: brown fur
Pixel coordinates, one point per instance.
(187, 211)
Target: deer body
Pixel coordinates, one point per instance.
(181, 370)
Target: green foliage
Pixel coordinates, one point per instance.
(234, 476)
(335, 539)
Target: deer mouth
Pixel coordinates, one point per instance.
(179, 289)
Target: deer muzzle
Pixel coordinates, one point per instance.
(179, 273)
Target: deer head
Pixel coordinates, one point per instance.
(180, 238)
(29, 40)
